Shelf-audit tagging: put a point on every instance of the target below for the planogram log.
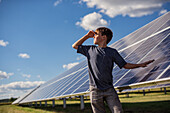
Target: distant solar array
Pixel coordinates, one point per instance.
(152, 41)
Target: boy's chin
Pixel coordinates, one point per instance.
(95, 42)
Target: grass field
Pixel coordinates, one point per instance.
(155, 101)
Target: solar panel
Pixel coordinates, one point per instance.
(24, 96)
(151, 41)
(148, 87)
(139, 55)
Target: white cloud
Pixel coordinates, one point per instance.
(16, 89)
(132, 8)
(4, 44)
(57, 2)
(92, 21)
(5, 74)
(16, 86)
(6, 95)
(24, 55)
(70, 65)
(2, 91)
(81, 57)
(38, 76)
(163, 12)
(26, 75)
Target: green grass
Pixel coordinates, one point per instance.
(20, 109)
(152, 95)
(154, 101)
(147, 107)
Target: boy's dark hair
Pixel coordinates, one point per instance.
(107, 32)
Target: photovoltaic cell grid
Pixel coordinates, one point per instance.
(152, 41)
(144, 52)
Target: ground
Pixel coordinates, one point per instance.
(154, 101)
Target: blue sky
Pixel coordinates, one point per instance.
(36, 35)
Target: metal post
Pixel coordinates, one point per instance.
(82, 102)
(64, 102)
(161, 89)
(127, 94)
(40, 104)
(53, 103)
(165, 90)
(45, 103)
(30, 104)
(35, 104)
(143, 92)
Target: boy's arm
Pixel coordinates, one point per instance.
(132, 66)
(84, 38)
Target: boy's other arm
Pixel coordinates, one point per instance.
(84, 38)
(132, 66)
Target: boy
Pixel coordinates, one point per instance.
(100, 65)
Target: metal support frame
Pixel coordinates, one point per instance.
(53, 103)
(45, 103)
(64, 102)
(127, 94)
(149, 90)
(161, 89)
(30, 104)
(143, 92)
(165, 90)
(81, 102)
(40, 103)
(35, 104)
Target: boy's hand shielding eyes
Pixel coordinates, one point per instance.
(90, 34)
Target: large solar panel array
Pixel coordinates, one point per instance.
(152, 41)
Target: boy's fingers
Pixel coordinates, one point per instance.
(150, 61)
(94, 32)
(91, 33)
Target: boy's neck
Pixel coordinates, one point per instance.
(102, 45)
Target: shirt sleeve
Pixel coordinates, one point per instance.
(83, 50)
(119, 60)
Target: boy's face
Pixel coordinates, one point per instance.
(98, 38)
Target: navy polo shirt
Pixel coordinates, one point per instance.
(100, 64)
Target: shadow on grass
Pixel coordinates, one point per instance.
(6, 103)
(147, 107)
(140, 107)
(70, 108)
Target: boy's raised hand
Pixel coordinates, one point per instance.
(90, 34)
